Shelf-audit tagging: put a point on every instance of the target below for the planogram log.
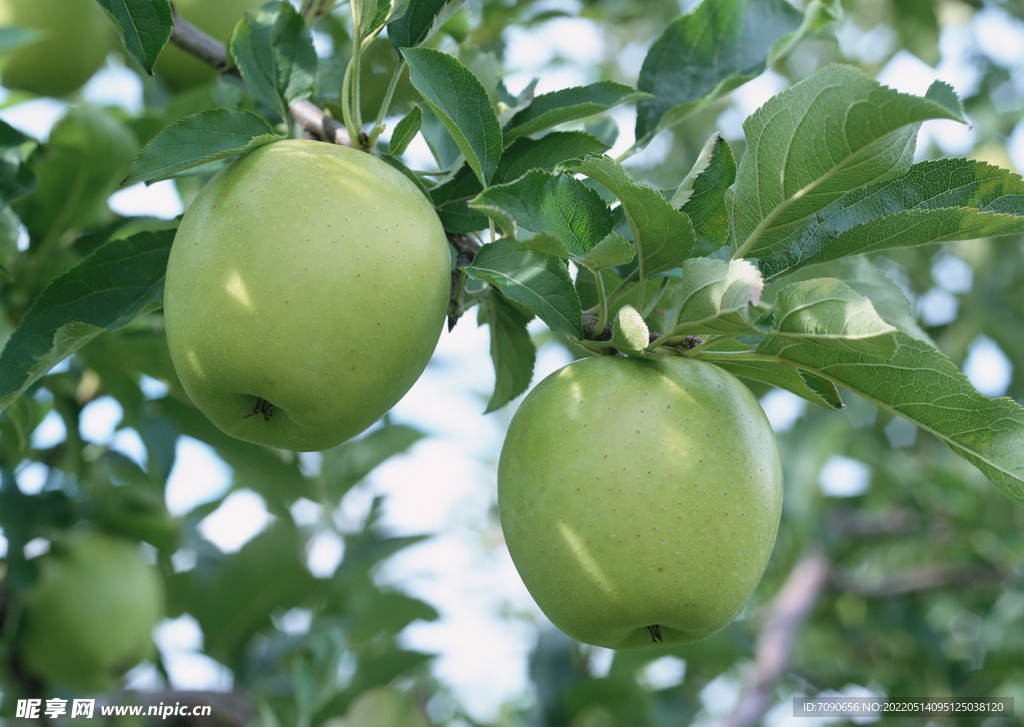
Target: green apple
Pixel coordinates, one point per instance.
(76, 36)
(640, 499)
(180, 69)
(306, 290)
(89, 617)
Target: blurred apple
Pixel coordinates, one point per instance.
(75, 37)
(182, 70)
(89, 617)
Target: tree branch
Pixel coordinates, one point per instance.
(210, 50)
(788, 611)
(922, 578)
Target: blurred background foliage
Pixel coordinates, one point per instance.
(919, 587)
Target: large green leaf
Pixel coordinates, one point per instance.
(120, 281)
(274, 51)
(540, 201)
(538, 281)
(570, 104)
(722, 44)
(144, 26)
(830, 313)
(458, 99)
(663, 235)
(199, 139)
(808, 146)
(924, 386)
(935, 201)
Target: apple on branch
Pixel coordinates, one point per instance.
(306, 290)
(640, 499)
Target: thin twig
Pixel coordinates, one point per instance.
(788, 611)
(210, 50)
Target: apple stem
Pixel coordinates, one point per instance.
(655, 633)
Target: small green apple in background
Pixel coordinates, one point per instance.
(89, 617)
(76, 36)
(640, 499)
(180, 69)
(306, 290)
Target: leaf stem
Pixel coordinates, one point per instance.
(602, 302)
(378, 126)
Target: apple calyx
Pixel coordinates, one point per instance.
(263, 407)
(655, 630)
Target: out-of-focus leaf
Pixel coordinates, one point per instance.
(120, 281)
(348, 463)
(199, 139)
(82, 163)
(382, 707)
(16, 179)
(714, 49)
(258, 468)
(237, 598)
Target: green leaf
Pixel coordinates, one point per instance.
(663, 236)
(924, 386)
(256, 467)
(917, 25)
(715, 296)
(198, 139)
(80, 166)
(118, 282)
(400, 166)
(274, 52)
(540, 201)
(613, 250)
(348, 464)
(832, 314)
(570, 104)
(702, 195)
(458, 99)
(935, 201)
(512, 351)
(416, 20)
(719, 46)
(519, 157)
(868, 279)
(405, 132)
(811, 144)
(16, 178)
(804, 384)
(144, 26)
(236, 599)
(372, 15)
(540, 282)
